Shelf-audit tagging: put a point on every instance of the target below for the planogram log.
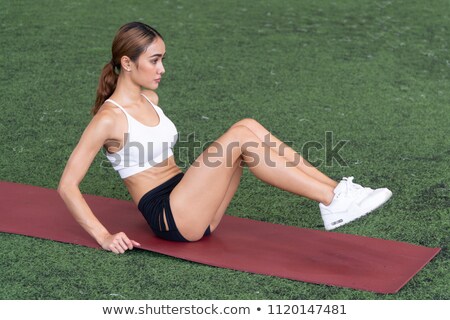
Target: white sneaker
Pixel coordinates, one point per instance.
(351, 201)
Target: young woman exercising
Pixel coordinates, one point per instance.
(138, 138)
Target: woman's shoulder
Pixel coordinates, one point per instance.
(107, 115)
(151, 95)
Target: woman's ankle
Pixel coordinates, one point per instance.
(328, 197)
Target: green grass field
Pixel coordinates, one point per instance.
(375, 73)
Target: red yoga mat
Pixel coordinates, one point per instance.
(314, 256)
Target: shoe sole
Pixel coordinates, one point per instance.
(386, 193)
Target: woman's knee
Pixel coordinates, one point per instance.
(250, 123)
(238, 133)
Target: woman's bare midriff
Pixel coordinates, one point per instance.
(141, 183)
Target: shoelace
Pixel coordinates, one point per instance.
(348, 187)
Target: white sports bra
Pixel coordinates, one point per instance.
(144, 146)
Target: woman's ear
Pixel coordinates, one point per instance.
(125, 63)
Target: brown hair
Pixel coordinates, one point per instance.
(131, 40)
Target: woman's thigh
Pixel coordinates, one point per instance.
(200, 194)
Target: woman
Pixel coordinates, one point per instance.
(139, 138)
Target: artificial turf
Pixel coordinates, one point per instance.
(373, 73)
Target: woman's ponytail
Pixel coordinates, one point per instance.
(106, 86)
(131, 40)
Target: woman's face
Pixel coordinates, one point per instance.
(149, 69)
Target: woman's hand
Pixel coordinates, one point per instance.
(118, 243)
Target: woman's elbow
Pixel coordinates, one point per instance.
(61, 188)
(64, 187)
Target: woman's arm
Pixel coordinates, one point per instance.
(93, 138)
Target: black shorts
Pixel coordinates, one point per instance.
(153, 205)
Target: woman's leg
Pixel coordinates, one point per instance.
(196, 200)
(232, 188)
(264, 135)
(284, 150)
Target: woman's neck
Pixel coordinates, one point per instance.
(126, 91)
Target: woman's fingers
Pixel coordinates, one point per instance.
(113, 248)
(121, 243)
(136, 244)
